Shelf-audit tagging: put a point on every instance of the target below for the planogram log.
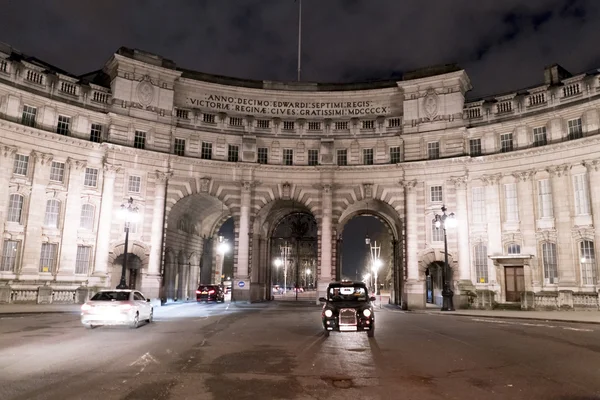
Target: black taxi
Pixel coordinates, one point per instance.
(348, 308)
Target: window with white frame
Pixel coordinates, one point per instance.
(395, 155)
(545, 198)
(29, 114)
(82, 260)
(139, 140)
(21, 164)
(179, 147)
(57, 171)
(96, 133)
(64, 125)
(91, 177)
(511, 202)
(437, 234)
(263, 155)
(52, 213)
(506, 142)
(582, 204)
(436, 194)
(10, 251)
(481, 267)
(514, 248)
(368, 156)
(539, 136)
(233, 153)
(313, 157)
(86, 220)
(15, 208)
(588, 262)
(206, 151)
(288, 157)
(134, 184)
(575, 129)
(433, 150)
(475, 147)
(550, 262)
(342, 157)
(48, 257)
(478, 201)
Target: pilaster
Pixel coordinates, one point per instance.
(494, 224)
(526, 199)
(106, 214)
(414, 287)
(326, 232)
(242, 293)
(593, 168)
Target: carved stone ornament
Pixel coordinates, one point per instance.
(163, 177)
(204, 183)
(524, 176)
(145, 91)
(559, 171)
(368, 187)
(286, 190)
(460, 182)
(491, 179)
(9, 151)
(246, 186)
(409, 185)
(591, 165)
(430, 104)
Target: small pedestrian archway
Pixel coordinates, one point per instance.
(136, 268)
(390, 232)
(430, 272)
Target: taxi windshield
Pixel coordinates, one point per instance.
(347, 293)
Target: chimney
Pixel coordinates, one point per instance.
(554, 74)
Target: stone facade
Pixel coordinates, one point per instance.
(520, 171)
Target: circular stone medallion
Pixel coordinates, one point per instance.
(145, 92)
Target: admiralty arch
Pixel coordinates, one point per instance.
(520, 170)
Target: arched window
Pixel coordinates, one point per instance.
(52, 212)
(437, 234)
(514, 248)
(86, 221)
(550, 262)
(588, 262)
(481, 267)
(15, 208)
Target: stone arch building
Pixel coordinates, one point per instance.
(519, 170)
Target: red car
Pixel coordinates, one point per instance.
(210, 293)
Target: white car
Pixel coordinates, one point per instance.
(116, 307)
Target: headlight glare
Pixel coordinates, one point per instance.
(328, 313)
(367, 313)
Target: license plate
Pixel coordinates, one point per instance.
(347, 328)
(204, 292)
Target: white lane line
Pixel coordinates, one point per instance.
(495, 321)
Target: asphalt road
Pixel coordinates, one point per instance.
(277, 351)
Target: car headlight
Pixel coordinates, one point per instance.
(328, 313)
(367, 312)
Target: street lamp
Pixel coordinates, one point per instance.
(446, 221)
(307, 274)
(129, 214)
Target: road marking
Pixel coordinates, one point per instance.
(495, 321)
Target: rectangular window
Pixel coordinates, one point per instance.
(208, 118)
(96, 133)
(506, 142)
(549, 261)
(575, 129)
(91, 177)
(179, 147)
(395, 155)
(341, 126)
(368, 156)
(342, 157)
(394, 122)
(233, 153)
(481, 268)
(263, 123)
(21, 164)
(474, 147)
(587, 257)
(86, 221)
(582, 204)
(236, 121)
(288, 157)
(545, 198)
(52, 212)
(206, 152)
(433, 150)
(64, 124)
(134, 184)
(10, 251)
(539, 136)
(313, 157)
(288, 125)
(437, 234)
(182, 114)
(57, 171)
(15, 208)
(263, 155)
(512, 206)
(82, 260)
(48, 257)
(314, 126)
(478, 204)
(370, 124)
(29, 114)
(139, 140)
(436, 194)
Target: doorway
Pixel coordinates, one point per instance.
(515, 283)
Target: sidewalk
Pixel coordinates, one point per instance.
(7, 309)
(586, 317)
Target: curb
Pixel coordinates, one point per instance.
(534, 318)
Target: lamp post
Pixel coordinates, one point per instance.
(446, 221)
(128, 213)
(307, 277)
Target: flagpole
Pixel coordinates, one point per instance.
(299, 35)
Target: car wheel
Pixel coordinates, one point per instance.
(326, 333)
(89, 326)
(371, 332)
(151, 316)
(136, 321)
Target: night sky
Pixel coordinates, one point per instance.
(503, 45)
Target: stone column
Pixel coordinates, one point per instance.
(7, 154)
(494, 224)
(326, 232)
(593, 168)
(561, 193)
(68, 252)
(465, 283)
(105, 221)
(242, 293)
(152, 279)
(414, 286)
(526, 198)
